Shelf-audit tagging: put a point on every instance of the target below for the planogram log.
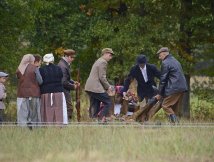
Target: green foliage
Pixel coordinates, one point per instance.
(202, 101)
(129, 27)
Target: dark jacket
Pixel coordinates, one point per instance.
(27, 83)
(172, 79)
(144, 89)
(52, 79)
(67, 82)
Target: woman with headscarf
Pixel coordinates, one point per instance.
(28, 92)
(53, 104)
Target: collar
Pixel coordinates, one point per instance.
(144, 69)
(64, 58)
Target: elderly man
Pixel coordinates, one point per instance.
(172, 83)
(97, 86)
(67, 82)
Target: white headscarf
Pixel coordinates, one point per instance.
(48, 58)
(27, 59)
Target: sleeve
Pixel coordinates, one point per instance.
(102, 75)
(128, 80)
(67, 84)
(2, 92)
(38, 76)
(163, 78)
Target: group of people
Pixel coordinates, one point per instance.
(43, 93)
(170, 91)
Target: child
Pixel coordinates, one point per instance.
(3, 78)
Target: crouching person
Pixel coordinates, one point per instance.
(144, 73)
(172, 84)
(97, 86)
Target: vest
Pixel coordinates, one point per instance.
(27, 83)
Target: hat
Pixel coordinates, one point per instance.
(48, 58)
(107, 50)
(141, 59)
(2, 74)
(69, 52)
(163, 49)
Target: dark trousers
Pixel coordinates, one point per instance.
(68, 103)
(95, 100)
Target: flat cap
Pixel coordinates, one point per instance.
(2, 74)
(107, 50)
(163, 49)
(69, 52)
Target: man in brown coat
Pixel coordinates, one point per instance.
(97, 86)
(67, 82)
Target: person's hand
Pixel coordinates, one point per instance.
(111, 91)
(125, 97)
(158, 97)
(77, 83)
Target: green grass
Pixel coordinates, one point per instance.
(103, 144)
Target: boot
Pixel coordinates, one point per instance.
(173, 118)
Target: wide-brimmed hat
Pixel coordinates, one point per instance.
(107, 50)
(3, 74)
(163, 49)
(69, 52)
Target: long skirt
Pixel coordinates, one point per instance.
(53, 108)
(28, 111)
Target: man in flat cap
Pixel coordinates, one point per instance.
(67, 82)
(144, 73)
(97, 86)
(172, 84)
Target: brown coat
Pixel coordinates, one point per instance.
(97, 81)
(27, 83)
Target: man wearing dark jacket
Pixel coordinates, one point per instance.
(144, 73)
(67, 82)
(172, 83)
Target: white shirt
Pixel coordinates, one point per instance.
(144, 73)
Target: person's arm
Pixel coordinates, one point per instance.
(163, 78)
(102, 75)
(38, 76)
(129, 79)
(2, 93)
(67, 84)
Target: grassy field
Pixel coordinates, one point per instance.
(104, 144)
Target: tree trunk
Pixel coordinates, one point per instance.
(184, 43)
(185, 111)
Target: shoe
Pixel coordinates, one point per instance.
(29, 125)
(104, 120)
(173, 118)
